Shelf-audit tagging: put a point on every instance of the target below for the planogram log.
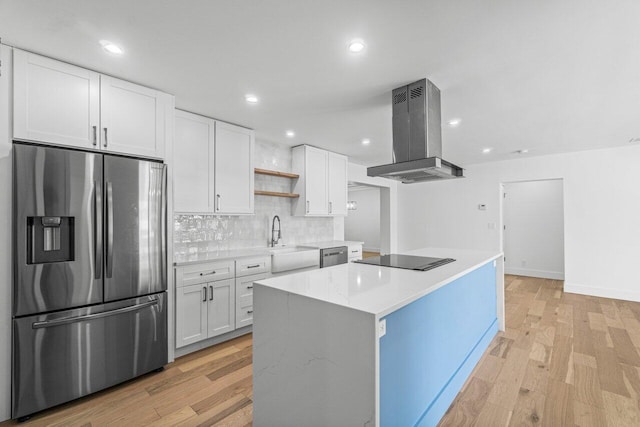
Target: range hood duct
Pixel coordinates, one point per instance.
(417, 137)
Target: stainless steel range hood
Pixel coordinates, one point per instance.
(417, 137)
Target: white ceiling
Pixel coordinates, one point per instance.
(549, 76)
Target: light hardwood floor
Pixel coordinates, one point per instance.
(564, 360)
(366, 254)
(209, 387)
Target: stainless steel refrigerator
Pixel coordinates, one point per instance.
(89, 295)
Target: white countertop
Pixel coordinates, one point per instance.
(380, 290)
(180, 260)
(331, 244)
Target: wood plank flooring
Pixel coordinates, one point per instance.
(564, 360)
(366, 254)
(212, 387)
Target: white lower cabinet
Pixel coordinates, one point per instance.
(244, 299)
(206, 309)
(191, 314)
(355, 252)
(216, 297)
(221, 308)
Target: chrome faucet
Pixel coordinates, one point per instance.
(275, 240)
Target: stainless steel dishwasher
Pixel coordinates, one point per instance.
(334, 256)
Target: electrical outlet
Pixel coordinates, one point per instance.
(382, 328)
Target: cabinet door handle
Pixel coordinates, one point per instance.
(253, 266)
(95, 135)
(218, 201)
(354, 252)
(211, 290)
(249, 311)
(330, 207)
(307, 206)
(208, 274)
(204, 292)
(105, 137)
(250, 287)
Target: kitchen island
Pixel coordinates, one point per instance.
(364, 345)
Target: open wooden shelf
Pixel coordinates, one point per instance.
(275, 194)
(276, 173)
(281, 175)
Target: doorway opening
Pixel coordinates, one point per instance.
(533, 228)
(367, 218)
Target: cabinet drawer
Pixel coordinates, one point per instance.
(250, 266)
(203, 273)
(244, 293)
(244, 316)
(244, 299)
(244, 289)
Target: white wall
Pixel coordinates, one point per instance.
(601, 210)
(534, 228)
(363, 224)
(5, 233)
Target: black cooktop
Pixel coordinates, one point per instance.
(408, 262)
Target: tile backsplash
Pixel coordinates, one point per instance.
(197, 234)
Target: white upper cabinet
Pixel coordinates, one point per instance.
(55, 102)
(337, 177)
(132, 118)
(58, 103)
(322, 184)
(233, 169)
(213, 166)
(193, 163)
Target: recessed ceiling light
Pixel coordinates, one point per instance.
(454, 122)
(111, 47)
(291, 133)
(356, 46)
(487, 150)
(251, 99)
(366, 141)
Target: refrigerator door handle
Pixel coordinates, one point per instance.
(67, 320)
(98, 228)
(164, 195)
(109, 231)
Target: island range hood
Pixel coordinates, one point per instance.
(417, 137)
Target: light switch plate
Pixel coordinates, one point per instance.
(382, 328)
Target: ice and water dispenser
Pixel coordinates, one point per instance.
(50, 239)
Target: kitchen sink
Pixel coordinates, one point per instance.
(288, 258)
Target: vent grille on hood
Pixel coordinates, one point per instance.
(417, 137)
(399, 98)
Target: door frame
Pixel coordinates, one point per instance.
(501, 231)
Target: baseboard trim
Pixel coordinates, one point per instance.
(556, 275)
(622, 294)
(183, 351)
